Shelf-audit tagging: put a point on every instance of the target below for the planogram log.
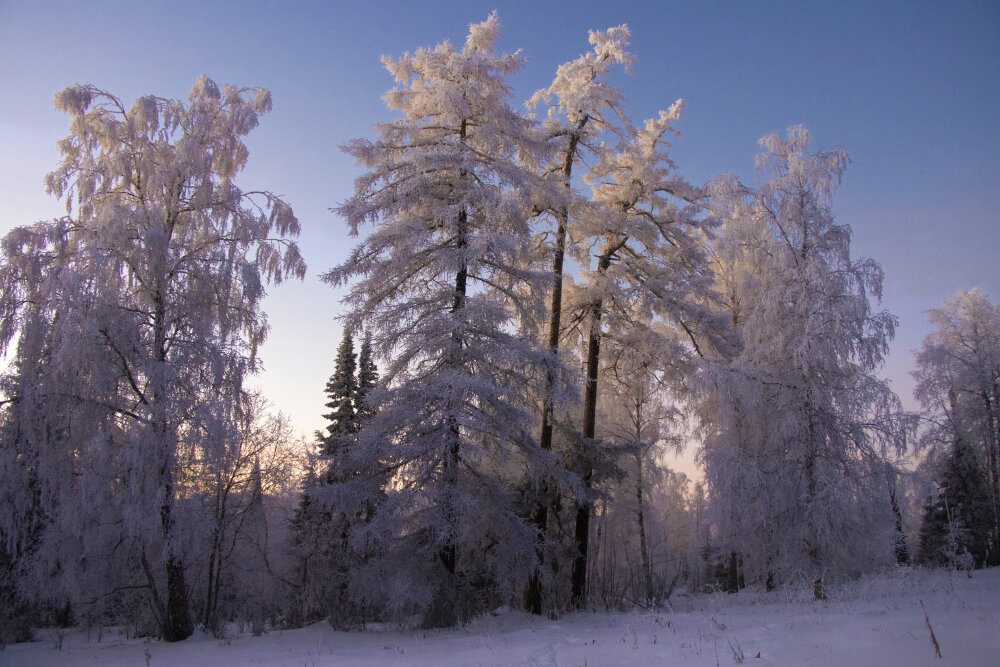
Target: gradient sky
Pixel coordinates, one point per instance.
(910, 89)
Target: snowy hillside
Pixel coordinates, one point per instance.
(875, 621)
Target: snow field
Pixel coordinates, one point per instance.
(873, 621)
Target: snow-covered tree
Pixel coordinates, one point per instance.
(637, 418)
(957, 528)
(438, 283)
(583, 108)
(800, 427)
(958, 385)
(643, 260)
(233, 484)
(320, 541)
(148, 293)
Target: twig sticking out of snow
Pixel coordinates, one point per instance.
(737, 651)
(934, 641)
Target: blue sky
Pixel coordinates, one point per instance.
(910, 89)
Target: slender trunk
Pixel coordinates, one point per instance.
(578, 578)
(733, 579)
(994, 467)
(451, 462)
(448, 556)
(647, 573)
(214, 556)
(221, 490)
(602, 558)
(812, 541)
(215, 563)
(812, 537)
(533, 596)
(555, 305)
(442, 612)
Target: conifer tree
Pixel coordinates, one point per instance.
(649, 238)
(958, 384)
(957, 526)
(367, 381)
(438, 282)
(321, 528)
(342, 392)
(583, 108)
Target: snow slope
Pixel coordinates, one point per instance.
(874, 621)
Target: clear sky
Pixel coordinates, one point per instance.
(910, 89)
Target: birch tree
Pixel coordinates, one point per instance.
(149, 291)
(802, 428)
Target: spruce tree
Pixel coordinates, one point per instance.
(958, 384)
(367, 379)
(342, 391)
(320, 529)
(958, 524)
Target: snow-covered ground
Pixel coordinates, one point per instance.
(875, 621)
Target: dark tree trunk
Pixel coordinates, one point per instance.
(442, 612)
(812, 545)
(578, 578)
(734, 577)
(176, 619)
(177, 623)
(647, 572)
(207, 616)
(533, 596)
(993, 428)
